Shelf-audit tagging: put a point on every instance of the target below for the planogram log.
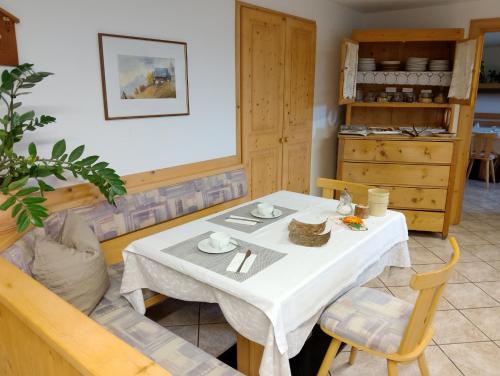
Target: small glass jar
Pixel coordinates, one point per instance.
(398, 97)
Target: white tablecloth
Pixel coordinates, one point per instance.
(278, 306)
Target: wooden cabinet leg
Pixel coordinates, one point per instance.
(493, 175)
(249, 356)
(487, 174)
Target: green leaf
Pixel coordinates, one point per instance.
(16, 209)
(89, 160)
(23, 221)
(8, 203)
(36, 221)
(27, 191)
(32, 149)
(58, 149)
(27, 116)
(34, 200)
(18, 183)
(44, 187)
(77, 153)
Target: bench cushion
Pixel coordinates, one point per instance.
(170, 351)
(139, 210)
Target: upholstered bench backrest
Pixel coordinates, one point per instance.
(144, 209)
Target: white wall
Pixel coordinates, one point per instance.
(61, 37)
(452, 15)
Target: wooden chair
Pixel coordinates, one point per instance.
(482, 150)
(385, 326)
(331, 187)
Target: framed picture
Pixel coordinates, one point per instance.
(143, 77)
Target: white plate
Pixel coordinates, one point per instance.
(275, 214)
(206, 247)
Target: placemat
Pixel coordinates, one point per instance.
(244, 211)
(188, 250)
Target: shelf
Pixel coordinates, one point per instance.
(400, 105)
(405, 78)
(489, 86)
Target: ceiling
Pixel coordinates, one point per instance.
(371, 6)
(491, 39)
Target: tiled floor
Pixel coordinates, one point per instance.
(467, 325)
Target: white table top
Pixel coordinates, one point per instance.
(302, 283)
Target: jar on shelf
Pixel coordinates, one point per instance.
(409, 97)
(370, 97)
(359, 95)
(425, 96)
(398, 97)
(383, 97)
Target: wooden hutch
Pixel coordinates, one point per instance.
(418, 171)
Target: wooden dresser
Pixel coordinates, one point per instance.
(418, 172)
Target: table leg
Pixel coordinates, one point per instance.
(249, 356)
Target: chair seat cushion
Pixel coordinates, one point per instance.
(369, 318)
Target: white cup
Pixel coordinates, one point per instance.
(265, 209)
(219, 240)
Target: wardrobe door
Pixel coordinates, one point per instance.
(299, 102)
(262, 76)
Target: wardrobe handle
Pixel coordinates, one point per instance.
(286, 139)
(280, 140)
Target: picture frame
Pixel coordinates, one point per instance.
(143, 77)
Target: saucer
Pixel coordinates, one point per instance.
(275, 214)
(206, 247)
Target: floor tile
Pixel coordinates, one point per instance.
(497, 343)
(468, 295)
(453, 327)
(478, 271)
(375, 282)
(486, 319)
(188, 332)
(495, 264)
(491, 288)
(369, 365)
(475, 359)
(445, 252)
(488, 252)
(430, 240)
(471, 238)
(396, 276)
(492, 236)
(216, 338)
(410, 295)
(472, 225)
(175, 312)
(421, 255)
(455, 277)
(210, 313)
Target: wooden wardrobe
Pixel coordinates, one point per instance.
(275, 96)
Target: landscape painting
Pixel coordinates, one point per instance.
(144, 77)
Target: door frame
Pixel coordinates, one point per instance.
(477, 29)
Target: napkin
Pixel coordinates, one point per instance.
(241, 222)
(237, 260)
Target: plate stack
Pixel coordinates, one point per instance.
(416, 64)
(390, 65)
(439, 65)
(366, 64)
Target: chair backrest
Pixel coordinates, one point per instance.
(331, 187)
(430, 286)
(482, 145)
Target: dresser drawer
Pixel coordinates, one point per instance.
(398, 151)
(417, 198)
(424, 221)
(396, 174)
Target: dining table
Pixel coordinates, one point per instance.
(274, 302)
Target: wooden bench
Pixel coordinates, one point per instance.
(42, 334)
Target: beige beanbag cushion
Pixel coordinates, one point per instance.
(73, 268)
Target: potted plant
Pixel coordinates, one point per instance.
(23, 176)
